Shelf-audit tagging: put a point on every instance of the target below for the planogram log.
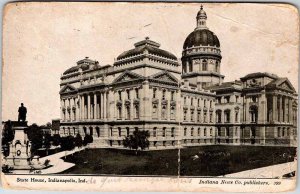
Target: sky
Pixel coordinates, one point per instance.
(42, 40)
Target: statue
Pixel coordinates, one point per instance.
(22, 113)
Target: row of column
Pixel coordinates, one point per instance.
(282, 108)
(92, 106)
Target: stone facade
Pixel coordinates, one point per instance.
(180, 103)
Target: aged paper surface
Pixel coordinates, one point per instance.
(150, 96)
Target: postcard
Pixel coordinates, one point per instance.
(140, 96)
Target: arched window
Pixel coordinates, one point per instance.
(204, 65)
(119, 112)
(120, 95)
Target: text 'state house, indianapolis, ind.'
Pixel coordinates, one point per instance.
(180, 104)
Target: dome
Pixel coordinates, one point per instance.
(202, 37)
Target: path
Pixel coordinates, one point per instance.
(275, 171)
(58, 164)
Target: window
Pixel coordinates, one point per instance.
(192, 131)
(98, 131)
(204, 65)
(127, 131)
(154, 111)
(127, 112)
(154, 132)
(192, 115)
(164, 94)
(217, 66)
(184, 100)
(236, 131)
(198, 103)
(204, 103)
(253, 113)
(278, 132)
(204, 132)
(211, 132)
(184, 115)
(137, 111)
(120, 95)
(111, 131)
(172, 112)
(184, 132)
(210, 117)
(254, 98)
(237, 116)
(128, 94)
(227, 99)
(237, 98)
(192, 101)
(172, 95)
(154, 92)
(219, 116)
(137, 93)
(210, 104)
(119, 112)
(163, 112)
(198, 132)
(172, 132)
(227, 116)
(219, 99)
(119, 131)
(164, 132)
(283, 132)
(219, 131)
(198, 116)
(227, 131)
(205, 117)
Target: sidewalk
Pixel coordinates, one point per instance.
(275, 171)
(58, 164)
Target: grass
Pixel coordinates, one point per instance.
(212, 160)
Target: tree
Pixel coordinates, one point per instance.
(35, 136)
(87, 139)
(67, 143)
(8, 135)
(139, 139)
(56, 139)
(78, 140)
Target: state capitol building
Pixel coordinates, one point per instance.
(180, 104)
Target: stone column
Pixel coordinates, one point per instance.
(89, 107)
(280, 109)
(274, 108)
(105, 105)
(290, 111)
(77, 108)
(95, 106)
(71, 109)
(82, 107)
(102, 105)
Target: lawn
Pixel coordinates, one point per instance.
(210, 160)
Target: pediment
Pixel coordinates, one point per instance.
(67, 89)
(286, 85)
(165, 76)
(127, 76)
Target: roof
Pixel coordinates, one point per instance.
(149, 45)
(259, 74)
(203, 37)
(83, 64)
(227, 85)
